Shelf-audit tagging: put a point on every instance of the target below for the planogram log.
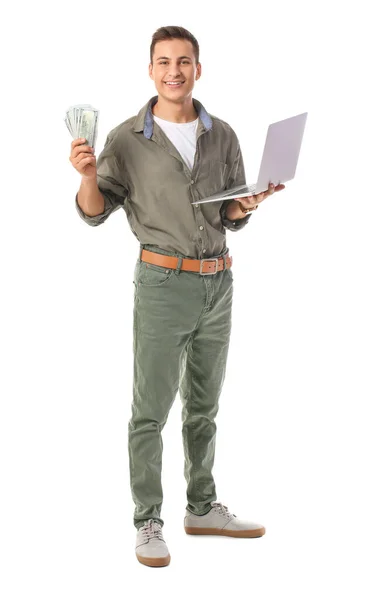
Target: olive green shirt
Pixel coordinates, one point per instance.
(140, 170)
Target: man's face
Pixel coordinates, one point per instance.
(174, 60)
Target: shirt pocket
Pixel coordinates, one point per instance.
(212, 177)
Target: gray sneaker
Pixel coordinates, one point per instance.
(151, 549)
(220, 521)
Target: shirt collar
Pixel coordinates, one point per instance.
(145, 118)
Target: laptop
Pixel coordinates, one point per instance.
(279, 160)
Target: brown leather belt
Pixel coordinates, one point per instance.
(205, 266)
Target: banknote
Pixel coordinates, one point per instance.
(82, 122)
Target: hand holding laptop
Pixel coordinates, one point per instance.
(279, 161)
(250, 202)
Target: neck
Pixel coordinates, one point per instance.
(177, 112)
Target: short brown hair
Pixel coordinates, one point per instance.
(170, 33)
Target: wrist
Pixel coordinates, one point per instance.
(235, 210)
(88, 181)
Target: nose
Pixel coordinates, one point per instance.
(174, 74)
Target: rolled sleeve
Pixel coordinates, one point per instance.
(236, 177)
(111, 184)
(232, 225)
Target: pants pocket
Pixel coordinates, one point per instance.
(153, 275)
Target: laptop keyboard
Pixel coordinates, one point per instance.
(248, 189)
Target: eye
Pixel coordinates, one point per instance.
(164, 62)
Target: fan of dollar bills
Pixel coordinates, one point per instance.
(82, 122)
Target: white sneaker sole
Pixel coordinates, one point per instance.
(151, 561)
(242, 533)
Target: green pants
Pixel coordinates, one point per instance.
(181, 334)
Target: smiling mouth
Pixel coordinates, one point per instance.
(174, 83)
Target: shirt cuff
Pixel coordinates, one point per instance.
(97, 219)
(235, 225)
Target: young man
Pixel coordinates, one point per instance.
(155, 165)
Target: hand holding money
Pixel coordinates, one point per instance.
(82, 122)
(82, 159)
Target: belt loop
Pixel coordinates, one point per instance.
(179, 264)
(226, 255)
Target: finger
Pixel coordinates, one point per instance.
(254, 200)
(85, 161)
(245, 201)
(82, 157)
(84, 148)
(78, 149)
(257, 198)
(269, 192)
(77, 142)
(250, 201)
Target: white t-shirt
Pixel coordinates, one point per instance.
(182, 136)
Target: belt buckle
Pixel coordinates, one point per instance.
(216, 260)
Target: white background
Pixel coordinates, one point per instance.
(290, 440)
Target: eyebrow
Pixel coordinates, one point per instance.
(167, 58)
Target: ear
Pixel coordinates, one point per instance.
(150, 71)
(198, 71)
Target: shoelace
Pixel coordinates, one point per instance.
(222, 509)
(152, 529)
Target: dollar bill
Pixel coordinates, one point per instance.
(82, 122)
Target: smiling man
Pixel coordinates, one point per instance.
(155, 165)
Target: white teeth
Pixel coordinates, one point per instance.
(171, 83)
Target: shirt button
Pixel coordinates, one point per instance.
(201, 227)
(196, 205)
(192, 180)
(204, 250)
